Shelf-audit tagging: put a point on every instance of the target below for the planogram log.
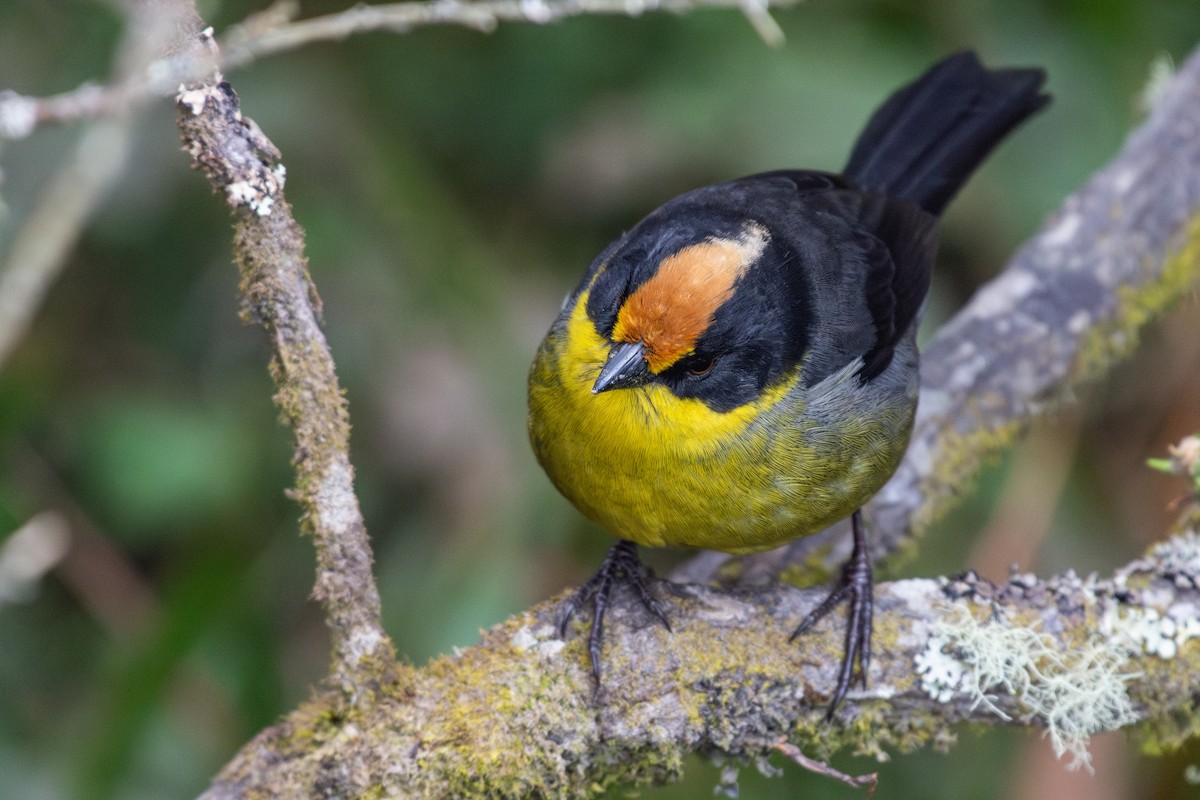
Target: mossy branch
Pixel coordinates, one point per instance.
(277, 292)
(514, 716)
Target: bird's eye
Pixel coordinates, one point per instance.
(700, 365)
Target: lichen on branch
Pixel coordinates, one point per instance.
(516, 716)
(277, 293)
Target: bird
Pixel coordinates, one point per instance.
(740, 368)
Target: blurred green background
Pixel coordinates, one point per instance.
(454, 185)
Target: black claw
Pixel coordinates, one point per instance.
(857, 585)
(621, 564)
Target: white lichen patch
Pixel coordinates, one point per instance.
(1177, 559)
(195, 99)
(942, 675)
(240, 192)
(542, 641)
(914, 591)
(1064, 230)
(336, 503)
(536, 11)
(1075, 692)
(1146, 630)
(1009, 289)
(1079, 322)
(362, 642)
(523, 639)
(257, 195)
(884, 691)
(258, 191)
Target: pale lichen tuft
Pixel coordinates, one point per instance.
(1075, 691)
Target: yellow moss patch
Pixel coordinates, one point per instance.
(1139, 305)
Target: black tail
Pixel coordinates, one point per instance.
(927, 139)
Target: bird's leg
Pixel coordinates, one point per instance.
(620, 565)
(856, 584)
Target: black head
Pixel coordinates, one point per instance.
(702, 298)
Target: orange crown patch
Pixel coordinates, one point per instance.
(669, 311)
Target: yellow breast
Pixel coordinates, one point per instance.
(662, 470)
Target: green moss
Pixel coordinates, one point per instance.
(1168, 727)
(959, 459)
(1139, 305)
(307, 728)
(730, 572)
(509, 731)
(812, 571)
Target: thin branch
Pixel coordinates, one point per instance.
(276, 290)
(274, 31)
(246, 43)
(868, 781)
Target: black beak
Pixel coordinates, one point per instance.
(626, 367)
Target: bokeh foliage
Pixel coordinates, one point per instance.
(454, 186)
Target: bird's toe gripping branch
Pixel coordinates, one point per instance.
(857, 585)
(621, 565)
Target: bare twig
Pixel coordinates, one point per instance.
(243, 45)
(795, 754)
(274, 31)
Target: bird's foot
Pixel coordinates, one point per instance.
(856, 585)
(620, 565)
